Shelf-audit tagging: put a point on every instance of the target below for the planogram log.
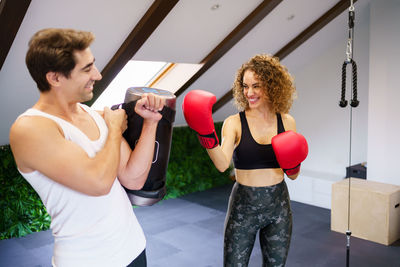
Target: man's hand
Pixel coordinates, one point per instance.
(116, 119)
(148, 107)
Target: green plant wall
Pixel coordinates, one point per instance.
(189, 170)
(21, 210)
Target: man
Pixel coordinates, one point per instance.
(76, 158)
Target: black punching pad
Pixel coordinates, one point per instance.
(154, 188)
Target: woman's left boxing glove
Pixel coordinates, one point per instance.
(291, 149)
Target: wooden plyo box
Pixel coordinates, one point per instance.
(374, 210)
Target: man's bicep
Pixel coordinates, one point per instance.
(42, 147)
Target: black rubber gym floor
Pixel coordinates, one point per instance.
(188, 232)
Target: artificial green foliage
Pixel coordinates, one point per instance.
(21, 210)
(190, 169)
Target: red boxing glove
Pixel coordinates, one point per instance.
(290, 149)
(197, 109)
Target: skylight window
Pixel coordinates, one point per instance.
(135, 73)
(155, 74)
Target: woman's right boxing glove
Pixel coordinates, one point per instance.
(197, 110)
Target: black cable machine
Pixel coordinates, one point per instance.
(353, 104)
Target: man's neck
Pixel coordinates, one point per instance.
(56, 106)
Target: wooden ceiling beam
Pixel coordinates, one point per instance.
(235, 36)
(12, 13)
(142, 31)
(297, 41)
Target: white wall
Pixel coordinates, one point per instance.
(317, 112)
(376, 121)
(384, 93)
(318, 115)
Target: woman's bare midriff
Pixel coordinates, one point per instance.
(259, 177)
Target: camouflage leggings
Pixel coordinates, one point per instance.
(258, 208)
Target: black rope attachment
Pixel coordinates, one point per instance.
(354, 101)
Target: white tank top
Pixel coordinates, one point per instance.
(88, 230)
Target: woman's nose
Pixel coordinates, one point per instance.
(250, 91)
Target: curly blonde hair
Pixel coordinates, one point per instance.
(276, 81)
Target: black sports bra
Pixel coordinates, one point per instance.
(249, 154)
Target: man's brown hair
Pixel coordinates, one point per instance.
(53, 50)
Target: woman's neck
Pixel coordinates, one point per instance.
(265, 111)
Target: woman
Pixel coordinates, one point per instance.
(263, 91)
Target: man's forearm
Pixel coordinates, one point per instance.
(140, 160)
(105, 164)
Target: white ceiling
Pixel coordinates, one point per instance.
(187, 35)
(192, 30)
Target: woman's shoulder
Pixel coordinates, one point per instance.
(232, 119)
(232, 128)
(287, 117)
(288, 121)
(232, 122)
